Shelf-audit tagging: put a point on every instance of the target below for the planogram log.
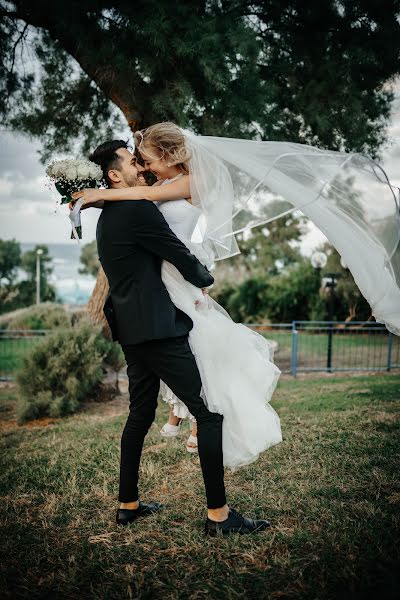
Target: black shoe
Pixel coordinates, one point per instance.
(235, 523)
(126, 515)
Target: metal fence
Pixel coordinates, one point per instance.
(332, 346)
(299, 347)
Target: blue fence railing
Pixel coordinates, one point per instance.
(331, 346)
(299, 346)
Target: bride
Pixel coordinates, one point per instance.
(219, 345)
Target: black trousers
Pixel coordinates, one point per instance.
(172, 361)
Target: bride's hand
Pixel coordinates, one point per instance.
(205, 292)
(89, 196)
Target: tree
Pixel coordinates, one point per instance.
(247, 302)
(89, 259)
(349, 304)
(279, 70)
(27, 288)
(10, 260)
(270, 249)
(18, 294)
(264, 251)
(292, 295)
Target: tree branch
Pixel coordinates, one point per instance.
(129, 98)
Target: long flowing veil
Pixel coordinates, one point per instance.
(241, 184)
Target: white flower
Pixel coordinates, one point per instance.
(71, 172)
(77, 171)
(81, 169)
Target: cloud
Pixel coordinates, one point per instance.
(19, 156)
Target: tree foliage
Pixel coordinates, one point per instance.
(283, 70)
(270, 249)
(290, 295)
(349, 303)
(15, 293)
(89, 259)
(10, 260)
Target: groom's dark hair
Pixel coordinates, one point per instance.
(106, 156)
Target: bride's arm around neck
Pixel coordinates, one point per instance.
(176, 190)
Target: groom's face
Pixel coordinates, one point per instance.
(128, 173)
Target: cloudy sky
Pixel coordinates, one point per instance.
(28, 209)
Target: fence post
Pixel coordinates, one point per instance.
(389, 352)
(293, 358)
(329, 348)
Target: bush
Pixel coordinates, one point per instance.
(42, 316)
(293, 295)
(62, 371)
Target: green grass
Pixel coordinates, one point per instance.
(12, 352)
(331, 490)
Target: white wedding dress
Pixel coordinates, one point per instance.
(235, 363)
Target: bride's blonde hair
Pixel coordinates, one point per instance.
(169, 139)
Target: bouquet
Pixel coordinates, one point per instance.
(73, 175)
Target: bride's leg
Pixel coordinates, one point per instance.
(173, 419)
(191, 442)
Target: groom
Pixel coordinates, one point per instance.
(133, 238)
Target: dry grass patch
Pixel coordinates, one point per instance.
(331, 490)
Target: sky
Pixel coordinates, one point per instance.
(30, 214)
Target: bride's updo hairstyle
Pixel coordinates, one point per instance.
(164, 140)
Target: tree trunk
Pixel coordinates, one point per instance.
(96, 303)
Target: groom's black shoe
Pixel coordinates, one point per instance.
(235, 523)
(126, 516)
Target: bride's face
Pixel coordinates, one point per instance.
(154, 162)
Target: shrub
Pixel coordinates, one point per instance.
(293, 294)
(62, 371)
(42, 316)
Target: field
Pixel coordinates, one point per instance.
(331, 490)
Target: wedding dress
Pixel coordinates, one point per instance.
(235, 363)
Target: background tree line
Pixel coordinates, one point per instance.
(18, 276)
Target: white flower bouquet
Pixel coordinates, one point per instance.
(72, 175)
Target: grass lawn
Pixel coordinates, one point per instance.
(12, 352)
(331, 490)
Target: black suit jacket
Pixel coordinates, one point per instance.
(132, 240)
